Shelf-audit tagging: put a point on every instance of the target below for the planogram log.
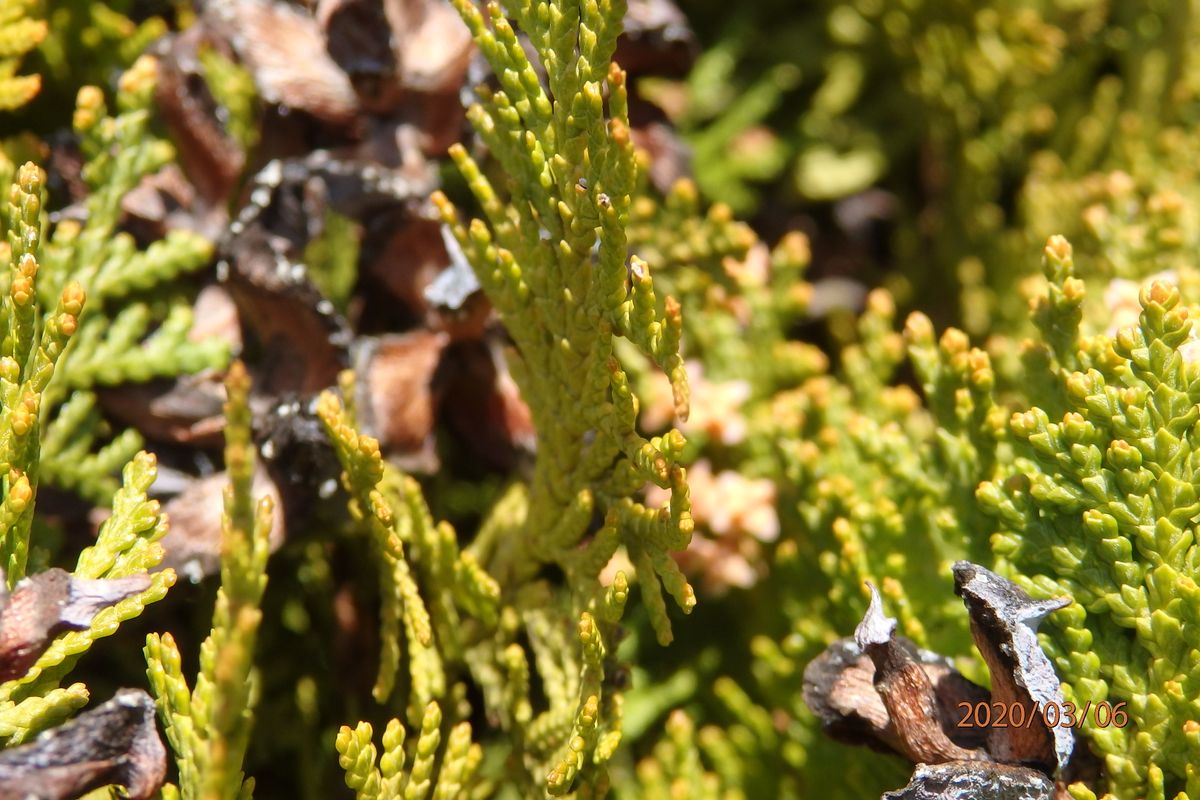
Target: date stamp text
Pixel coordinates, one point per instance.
(1052, 715)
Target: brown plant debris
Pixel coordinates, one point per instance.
(186, 410)
(480, 401)
(48, 603)
(358, 38)
(657, 39)
(395, 388)
(906, 690)
(432, 44)
(972, 780)
(1004, 622)
(839, 688)
(210, 157)
(880, 690)
(284, 49)
(115, 743)
(193, 540)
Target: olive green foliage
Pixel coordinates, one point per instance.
(137, 320)
(31, 352)
(871, 485)
(1019, 138)
(50, 430)
(572, 171)
(1101, 509)
(1097, 506)
(126, 546)
(392, 512)
(88, 44)
(724, 121)
(552, 257)
(388, 781)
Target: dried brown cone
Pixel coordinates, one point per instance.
(193, 541)
(878, 689)
(284, 49)
(116, 743)
(48, 603)
(1004, 623)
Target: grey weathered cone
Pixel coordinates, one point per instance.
(116, 743)
(958, 780)
(1004, 622)
(880, 690)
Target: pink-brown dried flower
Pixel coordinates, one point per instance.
(752, 271)
(716, 407)
(739, 514)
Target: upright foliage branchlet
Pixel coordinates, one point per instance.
(209, 727)
(31, 349)
(403, 606)
(552, 256)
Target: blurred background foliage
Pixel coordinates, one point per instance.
(988, 125)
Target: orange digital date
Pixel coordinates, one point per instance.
(1052, 715)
